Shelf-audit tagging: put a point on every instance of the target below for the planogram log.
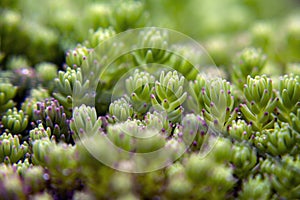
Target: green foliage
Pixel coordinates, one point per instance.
(289, 86)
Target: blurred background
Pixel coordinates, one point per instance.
(34, 31)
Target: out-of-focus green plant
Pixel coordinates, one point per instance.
(283, 175)
(256, 188)
(244, 158)
(10, 183)
(94, 38)
(62, 163)
(34, 181)
(250, 62)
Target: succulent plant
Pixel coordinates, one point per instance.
(139, 87)
(60, 160)
(34, 181)
(85, 121)
(79, 108)
(39, 133)
(7, 93)
(256, 188)
(260, 103)
(134, 136)
(241, 130)
(128, 14)
(75, 58)
(51, 114)
(121, 110)
(169, 95)
(214, 100)
(289, 85)
(11, 151)
(15, 121)
(46, 72)
(286, 187)
(278, 141)
(154, 44)
(244, 159)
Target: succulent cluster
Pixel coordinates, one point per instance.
(83, 117)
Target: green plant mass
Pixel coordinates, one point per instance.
(97, 102)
